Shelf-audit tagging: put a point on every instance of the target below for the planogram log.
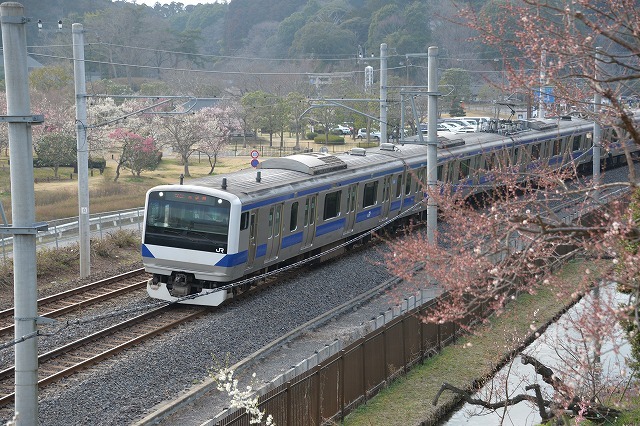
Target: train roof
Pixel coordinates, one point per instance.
(458, 144)
(306, 173)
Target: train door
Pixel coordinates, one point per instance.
(274, 232)
(352, 197)
(309, 229)
(386, 202)
(253, 229)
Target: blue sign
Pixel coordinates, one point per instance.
(547, 95)
(254, 163)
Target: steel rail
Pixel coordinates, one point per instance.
(92, 349)
(61, 303)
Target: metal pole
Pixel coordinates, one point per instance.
(14, 44)
(597, 129)
(432, 143)
(541, 112)
(383, 92)
(401, 134)
(83, 150)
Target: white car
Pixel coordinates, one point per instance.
(341, 129)
(362, 134)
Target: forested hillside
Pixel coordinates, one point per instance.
(256, 28)
(245, 45)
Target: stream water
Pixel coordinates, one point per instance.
(555, 348)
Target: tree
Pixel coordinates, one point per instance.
(323, 39)
(136, 152)
(182, 132)
(56, 149)
(297, 105)
(258, 107)
(51, 78)
(143, 155)
(455, 84)
(221, 122)
(512, 245)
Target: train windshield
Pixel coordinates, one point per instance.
(187, 220)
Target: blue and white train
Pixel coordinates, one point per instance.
(218, 230)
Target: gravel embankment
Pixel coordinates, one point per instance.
(123, 389)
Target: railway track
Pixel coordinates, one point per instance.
(92, 349)
(80, 297)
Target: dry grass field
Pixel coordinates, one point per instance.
(57, 199)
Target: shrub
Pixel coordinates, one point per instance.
(97, 163)
(6, 273)
(50, 261)
(333, 139)
(311, 135)
(103, 248)
(124, 238)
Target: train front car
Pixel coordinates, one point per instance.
(187, 244)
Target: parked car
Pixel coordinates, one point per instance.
(343, 130)
(373, 134)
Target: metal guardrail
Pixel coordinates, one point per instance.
(65, 231)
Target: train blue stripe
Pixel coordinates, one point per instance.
(330, 227)
(408, 202)
(146, 252)
(292, 240)
(368, 214)
(261, 250)
(395, 205)
(267, 202)
(314, 190)
(389, 172)
(231, 260)
(368, 178)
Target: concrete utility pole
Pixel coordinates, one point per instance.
(24, 228)
(543, 78)
(383, 92)
(597, 129)
(83, 150)
(432, 143)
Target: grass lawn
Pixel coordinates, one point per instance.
(58, 198)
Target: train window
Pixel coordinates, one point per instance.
(450, 167)
(463, 170)
(577, 141)
(310, 211)
(370, 194)
(516, 155)
(422, 178)
(293, 221)
(278, 217)
(244, 221)
(439, 173)
(535, 151)
(398, 185)
(353, 197)
(332, 205)
(491, 161)
(615, 137)
(557, 144)
(407, 184)
(386, 188)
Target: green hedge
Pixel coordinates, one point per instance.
(333, 139)
(93, 163)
